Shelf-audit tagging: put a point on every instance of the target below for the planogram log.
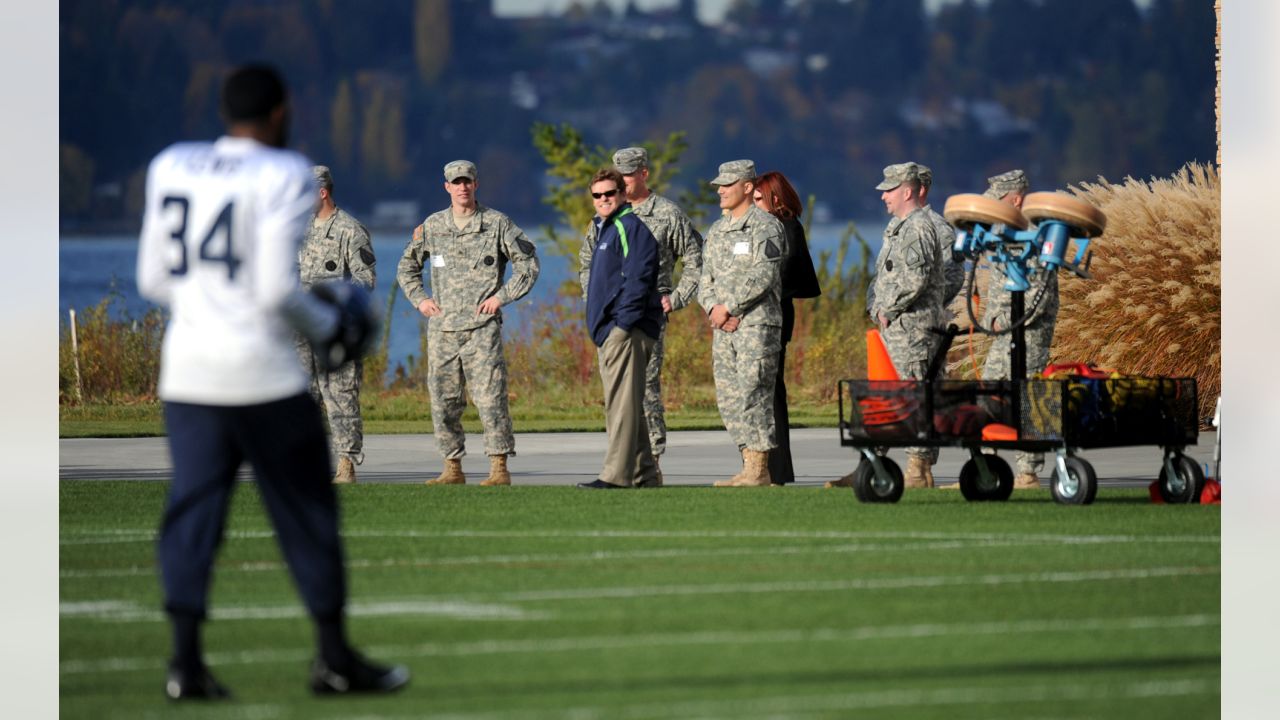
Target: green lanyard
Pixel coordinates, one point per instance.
(622, 232)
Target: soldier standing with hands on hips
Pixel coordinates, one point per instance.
(469, 247)
(741, 290)
(336, 246)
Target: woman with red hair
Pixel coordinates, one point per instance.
(775, 195)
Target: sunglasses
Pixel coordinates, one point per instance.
(605, 194)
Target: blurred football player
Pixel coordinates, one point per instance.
(219, 247)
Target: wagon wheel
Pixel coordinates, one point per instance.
(974, 489)
(1186, 484)
(1077, 213)
(968, 209)
(870, 489)
(1080, 486)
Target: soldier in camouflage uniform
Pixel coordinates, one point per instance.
(909, 286)
(952, 270)
(336, 246)
(677, 239)
(1011, 188)
(468, 246)
(741, 290)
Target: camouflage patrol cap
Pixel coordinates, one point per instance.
(629, 160)
(460, 168)
(895, 175)
(323, 177)
(735, 170)
(1005, 183)
(925, 175)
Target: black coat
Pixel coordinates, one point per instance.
(799, 279)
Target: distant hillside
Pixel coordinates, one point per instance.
(826, 91)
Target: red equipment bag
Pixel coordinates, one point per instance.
(1087, 370)
(1212, 493)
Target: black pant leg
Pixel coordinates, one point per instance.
(205, 458)
(781, 471)
(286, 444)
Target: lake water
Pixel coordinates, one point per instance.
(92, 267)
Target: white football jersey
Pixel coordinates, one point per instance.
(219, 246)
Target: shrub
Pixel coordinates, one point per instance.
(119, 355)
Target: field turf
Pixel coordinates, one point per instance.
(552, 602)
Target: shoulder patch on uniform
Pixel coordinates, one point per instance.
(366, 255)
(913, 256)
(525, 246)
(771, 250)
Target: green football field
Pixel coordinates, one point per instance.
(553, 602)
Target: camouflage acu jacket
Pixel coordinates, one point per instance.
(909, 283)
(741, 266)
(467, 266)
(337, 248)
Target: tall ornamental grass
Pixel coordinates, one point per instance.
(1154, 306)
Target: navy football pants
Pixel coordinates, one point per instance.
(284, 442)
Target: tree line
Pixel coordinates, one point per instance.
(829, 91)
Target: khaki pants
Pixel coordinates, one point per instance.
(629, 457)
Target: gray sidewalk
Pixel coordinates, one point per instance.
(692, 458)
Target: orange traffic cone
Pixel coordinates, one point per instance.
(879, 366)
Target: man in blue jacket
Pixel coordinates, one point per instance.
(624, 319)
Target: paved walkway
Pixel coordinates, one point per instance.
(692, 458)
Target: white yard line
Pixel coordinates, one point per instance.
(94, 537)
(640, 641)
(120, 611)
(583, 557)
(890, 583)
(476, 605)
(237, 710)
(796, 707)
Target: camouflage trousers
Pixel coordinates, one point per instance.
(462, 360)
(916, 371)
(338, 392)
(654, 413)
(1039, 338)
(908, 343)
(745, 365)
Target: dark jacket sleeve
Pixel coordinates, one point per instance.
(799, 280)
(639, 275)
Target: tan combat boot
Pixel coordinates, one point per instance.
(346, 472)
(452, 474)
(756, 470)
(919, 473)
(1026, 481)
(846, 481)
(498, 474)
